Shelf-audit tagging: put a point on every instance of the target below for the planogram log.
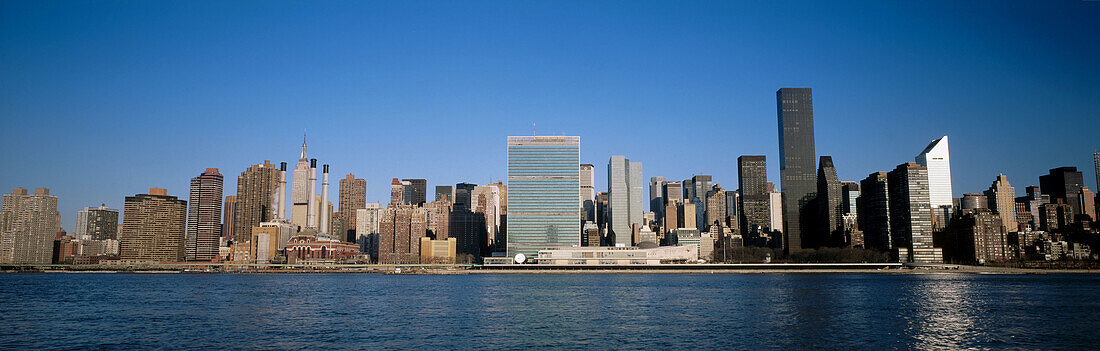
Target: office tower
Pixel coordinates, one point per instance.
(543, 182)
(850, 191)
(353, 196)
(204, 216)
(686, 216)
(463, 193)
(1001, 198)
(972, 201)
(830, 200)
(153, 227)
(625, 199)
(485, 200)
(502, 226)
(733, 211)
(256, 191)
(797, 171)
(716, 208)
(468, 229)
(688, 189)
(1088, 205)
(873, 211)
(588, 192)
(367, 223)
(775, 210)
(937, 158)
(445, 193)
(1096, 167)
(701, 185)
(911, 214)
(397, 192)
(1064, 184)
(601, 210)
(752, 179)
(400, 230)
(672, 216)
(419, 190)
(300, 190)
(657, 196)
(672, 191)
(28, 225)
(99, 223)
(229, 216)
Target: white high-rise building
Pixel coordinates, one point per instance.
(299, 189)
(624, 182)
(937, 159)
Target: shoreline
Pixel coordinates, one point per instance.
(458, 270)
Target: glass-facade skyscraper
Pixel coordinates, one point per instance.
(543, 190)
(797, 171)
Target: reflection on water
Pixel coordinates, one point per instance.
(943, 313)
(549, 311)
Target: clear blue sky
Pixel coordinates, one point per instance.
(104, 99)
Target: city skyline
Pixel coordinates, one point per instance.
(142, 107)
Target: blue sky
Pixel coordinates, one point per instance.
(104, 99)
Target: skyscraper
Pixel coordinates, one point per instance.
(485, 200)
(256, 198)
(673, 191)
(1064, 184)
(28, 224)
(656, 197)
(702, 185)
(830, 199)
(445, 192)
(97, 223)
(873, 208)
(911, 214)
(300, 189)
(353, 197)
(588, 192)
(937, 158)
(397, 193)
(543, 183)
(716, 208)
(1096, 166)
(419, 190)
(204, 216)
(229, 216)
(752, 179)
(624, 182)
(797, 171)
(463, 193)
(153, 227)
(1002, 200)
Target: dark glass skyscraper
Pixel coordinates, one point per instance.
(830, 199)
(1064, 183)
(752, 179)
(797, 171)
